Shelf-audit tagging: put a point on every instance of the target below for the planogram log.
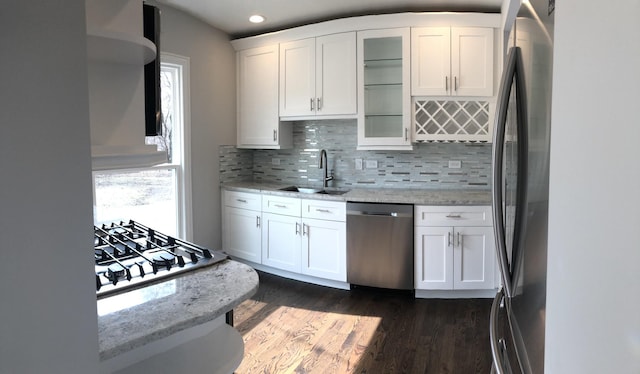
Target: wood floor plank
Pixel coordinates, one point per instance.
(294, 327)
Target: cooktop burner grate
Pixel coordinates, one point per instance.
(131, 255)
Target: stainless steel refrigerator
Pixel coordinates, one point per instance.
(521, 191)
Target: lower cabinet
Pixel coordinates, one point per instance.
(281, 243)
(454, 248)
(301, 236)
(242, 225)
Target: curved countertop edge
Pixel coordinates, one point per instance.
(160, 310)
(374, 195)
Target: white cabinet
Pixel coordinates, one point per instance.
(383, 89)
(454, 248)
(452, 61)
(281, 233)
(324, 252)
(241, 225)
(318, 76)
(259, 125)
(305, 236)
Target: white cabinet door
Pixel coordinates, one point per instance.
(472, 61)
(258, 121)
(281, 244)
(433, 258)
(384, 95)
(336, 88)
(242, 236)
(474, 258)
(318, 76)
(297, 78)
(456, 61)
(324, 249)
(430, 61)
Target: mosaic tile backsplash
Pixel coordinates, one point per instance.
(427, 166)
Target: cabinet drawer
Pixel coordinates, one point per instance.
(328, 210)
(453, 216)
(244, 200)
(281, 205)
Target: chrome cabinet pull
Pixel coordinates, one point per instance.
(459, 240)
(449, 239)
(297, 228)
(305, 229)
(446, 83)
(455, 80)
(241, 201)
(323, 210)
(319, 103)
(454, 215)
(257, 221)
(406, 134)
(279, 206)
(311, 106)
(275, 135)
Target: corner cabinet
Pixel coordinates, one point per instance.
(259, 125)
(242, 225)
(318, 76)
(384, 103)
(452, 61)
(454, 248)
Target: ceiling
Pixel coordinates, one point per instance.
(231, 16)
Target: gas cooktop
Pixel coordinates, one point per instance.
(130, 255)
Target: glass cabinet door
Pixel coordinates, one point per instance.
(384, 98)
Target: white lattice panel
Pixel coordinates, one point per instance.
(450, 120)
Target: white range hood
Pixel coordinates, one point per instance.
(117, 53)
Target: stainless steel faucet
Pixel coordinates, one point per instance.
(323, 164)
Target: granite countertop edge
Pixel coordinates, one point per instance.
(374, 195)
(199, 297)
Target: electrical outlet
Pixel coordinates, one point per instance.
(371, 164)
(275, 161)
(358, 164)
(455, 164)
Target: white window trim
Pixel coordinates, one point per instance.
(185, 213)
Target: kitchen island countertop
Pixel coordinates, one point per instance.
(375, 195)
(135, 318)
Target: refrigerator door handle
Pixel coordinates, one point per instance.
(496, 351)
(499, 130)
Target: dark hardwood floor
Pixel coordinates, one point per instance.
(294, 327)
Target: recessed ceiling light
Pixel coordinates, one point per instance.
(256, 18)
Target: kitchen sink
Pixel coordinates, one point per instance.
(313, 190)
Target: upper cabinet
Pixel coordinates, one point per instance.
(318, 76)
(258, 122)
(452, 61)
(383, 92)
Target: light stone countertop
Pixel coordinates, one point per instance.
(375, 195)
(160, 310)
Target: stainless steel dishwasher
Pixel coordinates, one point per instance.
(380, 245)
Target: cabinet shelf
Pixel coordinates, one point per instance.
(117, 47)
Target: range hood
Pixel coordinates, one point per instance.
(117, 54)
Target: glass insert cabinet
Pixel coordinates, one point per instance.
(384, 120)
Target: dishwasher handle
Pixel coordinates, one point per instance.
(381, 214)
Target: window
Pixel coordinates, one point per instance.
(159, 196)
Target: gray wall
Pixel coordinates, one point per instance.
(213, 111)
(47, 285)
(593, 286)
